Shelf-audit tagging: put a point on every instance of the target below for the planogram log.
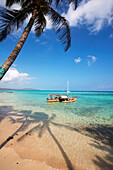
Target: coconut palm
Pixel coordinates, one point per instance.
(39, 9)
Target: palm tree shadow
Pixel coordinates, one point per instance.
(103, 164)
(103, 133)
(67, 160)
(21, 119)
(5, 113)
(107, 162)
(43, 122)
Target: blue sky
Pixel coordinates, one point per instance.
(43, 64)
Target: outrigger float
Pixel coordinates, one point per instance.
(61, 98)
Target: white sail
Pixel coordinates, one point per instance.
(67, 87)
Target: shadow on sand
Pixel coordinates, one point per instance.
(42, 122)
(107, 162)
(103, 133)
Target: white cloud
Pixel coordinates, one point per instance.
(91, 60)
(78, 60)
(14, 75)
(92, 57)
(93, 13)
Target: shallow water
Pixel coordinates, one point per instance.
(91, 108)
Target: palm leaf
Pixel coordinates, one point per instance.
(50, 1)
(9, 3)
(56, 2)
(40, 23)
(66, 1)
(10, 20)
(26, 3)
(74, 3)
(61, 26)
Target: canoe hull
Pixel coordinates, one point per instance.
(52, 100)
(68, 100)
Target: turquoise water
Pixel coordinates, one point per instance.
(91, 108)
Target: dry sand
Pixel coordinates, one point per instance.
(27, 145)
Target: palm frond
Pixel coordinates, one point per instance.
(67, 2)
(26, 3)
(9, 3)
(40, 23)
(74, 3)
(10, 20)
(61, 25)
(57, 2)
(50, 1)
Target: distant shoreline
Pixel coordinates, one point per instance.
(30, 89)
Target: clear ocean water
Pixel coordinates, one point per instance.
(91, 108)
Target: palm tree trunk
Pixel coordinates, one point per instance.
(4, 68)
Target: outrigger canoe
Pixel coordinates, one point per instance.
(61, 98)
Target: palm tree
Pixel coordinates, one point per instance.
(14, 19)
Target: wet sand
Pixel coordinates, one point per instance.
(27, 143)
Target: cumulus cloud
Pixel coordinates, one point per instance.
(93, 13)
(14, 75)
(91, 60)
(77, 60)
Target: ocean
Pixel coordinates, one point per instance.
(90, 108)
